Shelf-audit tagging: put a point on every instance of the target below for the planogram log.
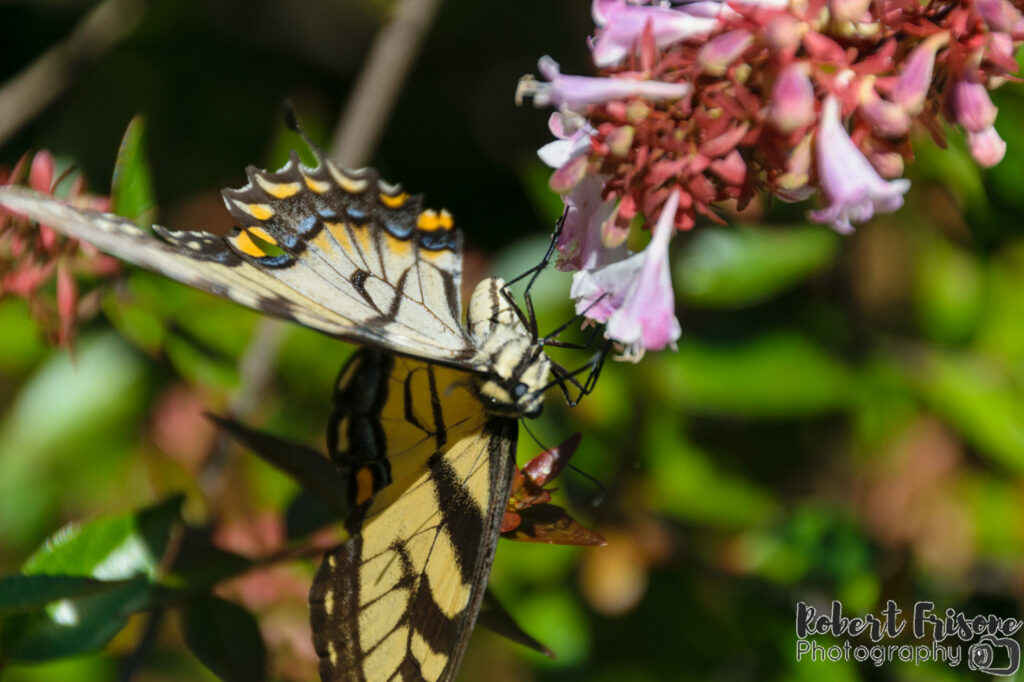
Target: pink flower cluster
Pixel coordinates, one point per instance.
(31, 257)
(704, 102)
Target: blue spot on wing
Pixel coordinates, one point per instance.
(399, 228)
(307, 224)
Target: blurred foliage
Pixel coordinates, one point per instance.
(844, 417)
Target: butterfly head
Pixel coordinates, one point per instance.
(516, 368)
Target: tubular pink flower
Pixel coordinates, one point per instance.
(853, 188)
(622, 26)
(634, 296)
(986, 146)
(717, 54)
(970, 106)
(886, 118)
(570, 143)
(577, 92)
(913, 83)
(999, 15)
(793, 99)
(580, 246)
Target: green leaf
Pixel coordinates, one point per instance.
(496, 618)
(949, 291)
(20, 593)
(305, 514)
(226, 638)
(72, 625)
(977, 396)
(312, 470)
(738, 266)
(112, 548)
(131, 193)
(777, 375)
(45, 433)
(686, 483)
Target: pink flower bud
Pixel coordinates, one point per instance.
(886, 118)
(792, 104)
(40, 175)
(850, 10)
(969, 105)
(784, 32)
(913, 84)
(986, 146)
(732, 169)
(789, 186)
(999, 15)
(67, 295)
(717, 54)
(569, 175)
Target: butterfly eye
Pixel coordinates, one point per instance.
(519, 390)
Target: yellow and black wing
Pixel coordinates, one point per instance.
(430, 475)
(339, 251)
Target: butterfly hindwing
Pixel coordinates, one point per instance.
(341, 252)
(430, 473)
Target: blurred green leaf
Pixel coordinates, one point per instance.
(776, 375)
(73, 625)
(976, 396)
(685, 483)
(741, 265)
(131, 193)
(311, 469)
(20, 593)
(43, 431)
(226, 638)
(113, 548)
(20, 343)
(949, 292)
(952, 168)
(1002, 328)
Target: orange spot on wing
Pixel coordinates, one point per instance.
(395, 201)
(262, 234)
(430, 221)
(259, 211)
(244, 243)
(364, 485)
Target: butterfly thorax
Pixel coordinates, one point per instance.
(517, 369)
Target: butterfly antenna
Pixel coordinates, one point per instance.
(602, 491)
(533, 435)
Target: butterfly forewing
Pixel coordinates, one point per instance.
(398, 601)
(343, 253)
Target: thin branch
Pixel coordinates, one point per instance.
(382, 77)
(24, 96)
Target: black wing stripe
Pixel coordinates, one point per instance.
(423, 558)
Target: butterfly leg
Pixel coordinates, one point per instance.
(564, 378)
(533, 273)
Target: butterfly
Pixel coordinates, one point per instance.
(425, 416)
